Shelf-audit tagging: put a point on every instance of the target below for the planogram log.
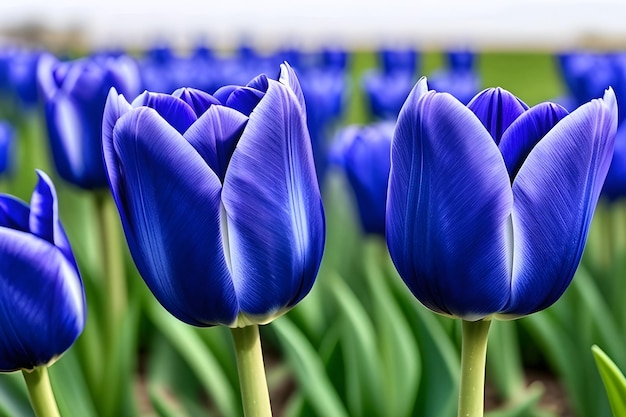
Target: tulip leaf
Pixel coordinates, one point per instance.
(524, 407)
(400, 354)
(440, 374)
(309, 369)
(70, 389)
(14, 396)
(504, 362)
(361, 357)
(200, 359)
(614, 381)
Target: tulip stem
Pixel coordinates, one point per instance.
(254, 393)
(40, 392)
(473, 358)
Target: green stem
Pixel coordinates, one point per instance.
(254, 393)
(40, 392)
(473, 356)
(115, 296)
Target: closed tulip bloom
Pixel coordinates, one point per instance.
(41, 293)
(7, 138)
(218, 198)
(74, 94)
(363, 152)
(489, 205)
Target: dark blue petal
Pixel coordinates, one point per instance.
(386, 93)
(14, 213)
(123, 74)
(244, 99)
(615, 185)
(497, 109)
(224, 92)
(215, 134)
(274, 208)
(75, 141)
(448, 208)
(42, 309)
(524, 133)
(175, 111)
(48, 85)
(260, 82)
(197, 99)
(366, 160)
(169, 203)
(555, 194)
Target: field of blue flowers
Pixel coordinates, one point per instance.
(374, 234)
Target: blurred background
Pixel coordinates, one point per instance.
(359, 344)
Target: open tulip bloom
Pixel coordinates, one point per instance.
(218, 198)
(489, 204)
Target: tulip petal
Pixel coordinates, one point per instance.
(524, 133)
(169, 203)
(74, 143)
(555, 193)
(46, 81)
(215, 134)
(288, 77)
(224, 92)
(14, 213)
(271, 181)
(175, 111)
(260, 82)
(116, 105)
(448, 208)
(42, 312)
(198, 100)
(244, 99)
(497, 109)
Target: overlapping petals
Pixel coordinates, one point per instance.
(219, 202)
(74, 94)
(42, 307)
(475, 229)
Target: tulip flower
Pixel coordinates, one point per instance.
(363, 152)
(218, 198)
(74, 94)
(396, 60)
(489, 205)
(7, 137)
(42, 299)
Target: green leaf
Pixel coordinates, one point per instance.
(361, 358)
(200, 359)
(524, 407)
(14, 400)
(400, 353)
(309, 369)
(614, 381)
(70, 389)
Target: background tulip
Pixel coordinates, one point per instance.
(43, 306)
(489, 205)
(218, 198)
(74, 94)
(363, 152)
(7, 139)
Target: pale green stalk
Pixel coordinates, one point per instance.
(40, 392)
(254, 393)
(473, 357)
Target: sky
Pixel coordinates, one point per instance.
(498, 23)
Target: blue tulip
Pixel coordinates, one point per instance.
(460, 59)
(218, 198)
(363, 152)
(74, 94)
(22, 76)
(615, 183)
(396, 60)
(7, 138)
(42, 305)
(386, 93)
(489, 205)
